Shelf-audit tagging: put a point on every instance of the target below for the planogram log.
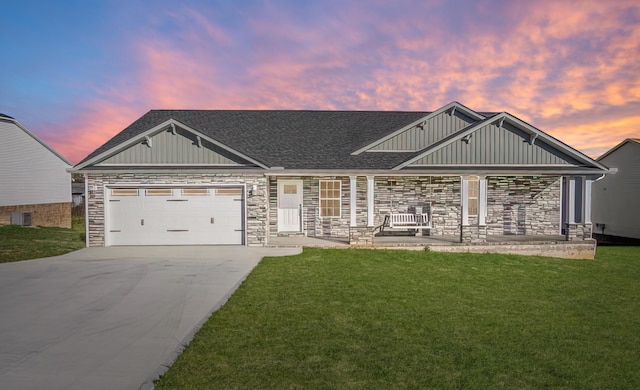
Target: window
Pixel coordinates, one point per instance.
(194, 192)
(229, 192)
(290, 189)
(124, 192)
(330, 198)
(474, 191)
(158, 192)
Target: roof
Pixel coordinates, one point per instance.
(618, 146)
(314, 140)
(304, 139)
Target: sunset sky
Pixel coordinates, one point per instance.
(78, 72)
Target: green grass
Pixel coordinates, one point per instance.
(23, 243)
(370, 319)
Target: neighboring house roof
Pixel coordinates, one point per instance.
(9, 119)
(618, 146)
(342, 140)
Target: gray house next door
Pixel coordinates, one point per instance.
(289, 205)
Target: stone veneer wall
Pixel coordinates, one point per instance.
(399, 194)
(392, 194)
(313, 224)
(523, 205)
(256, 205)
(45, 214)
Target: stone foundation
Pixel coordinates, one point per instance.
(473, 234)
(47, 214)
(578, 231)
(361, 236)
(584, 250)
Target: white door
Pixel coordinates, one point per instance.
(289, 205)
(175, 216)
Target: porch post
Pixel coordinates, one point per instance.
(587, 200)
(571, 204)
(352, 200)
(482, 202)
(370, 197)
(464, 201)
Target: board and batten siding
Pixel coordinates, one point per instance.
(614, 199)
(492, 144)
(434, 129)
(29, 172)
(169, 148)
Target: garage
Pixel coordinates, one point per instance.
(174, 216)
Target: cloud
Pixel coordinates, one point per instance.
(550, 63)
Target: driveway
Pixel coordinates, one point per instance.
(111, 318)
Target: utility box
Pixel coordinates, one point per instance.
(22, 218)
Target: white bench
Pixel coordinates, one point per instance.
(409, 221)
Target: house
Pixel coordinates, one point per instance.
(615, 207)
(247, 177)
(35, 187)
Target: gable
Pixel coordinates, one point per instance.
(31, 172)
(170, 143)
(505, 141)
(174, 147)
(425, 131)
(493, 144)
(625, 151)
(432, 129)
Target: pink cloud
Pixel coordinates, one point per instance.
(544, 62)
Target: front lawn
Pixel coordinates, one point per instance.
(369, 319)
(22, 243)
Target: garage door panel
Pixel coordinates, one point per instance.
(180, 217)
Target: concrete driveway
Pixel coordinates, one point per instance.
(111, 318)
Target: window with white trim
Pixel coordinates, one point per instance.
(330, 192)
(473, 192)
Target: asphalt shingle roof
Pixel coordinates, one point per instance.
(289, 139)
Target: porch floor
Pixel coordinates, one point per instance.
(549, 245)
(408, 241)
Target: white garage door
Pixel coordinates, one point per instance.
(175, 216)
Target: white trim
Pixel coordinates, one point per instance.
(413, 124)
(370, 201)
(157, 129)
(320, 198)
(353, 186)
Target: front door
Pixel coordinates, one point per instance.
(289, 205)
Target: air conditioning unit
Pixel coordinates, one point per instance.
(22, 218)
